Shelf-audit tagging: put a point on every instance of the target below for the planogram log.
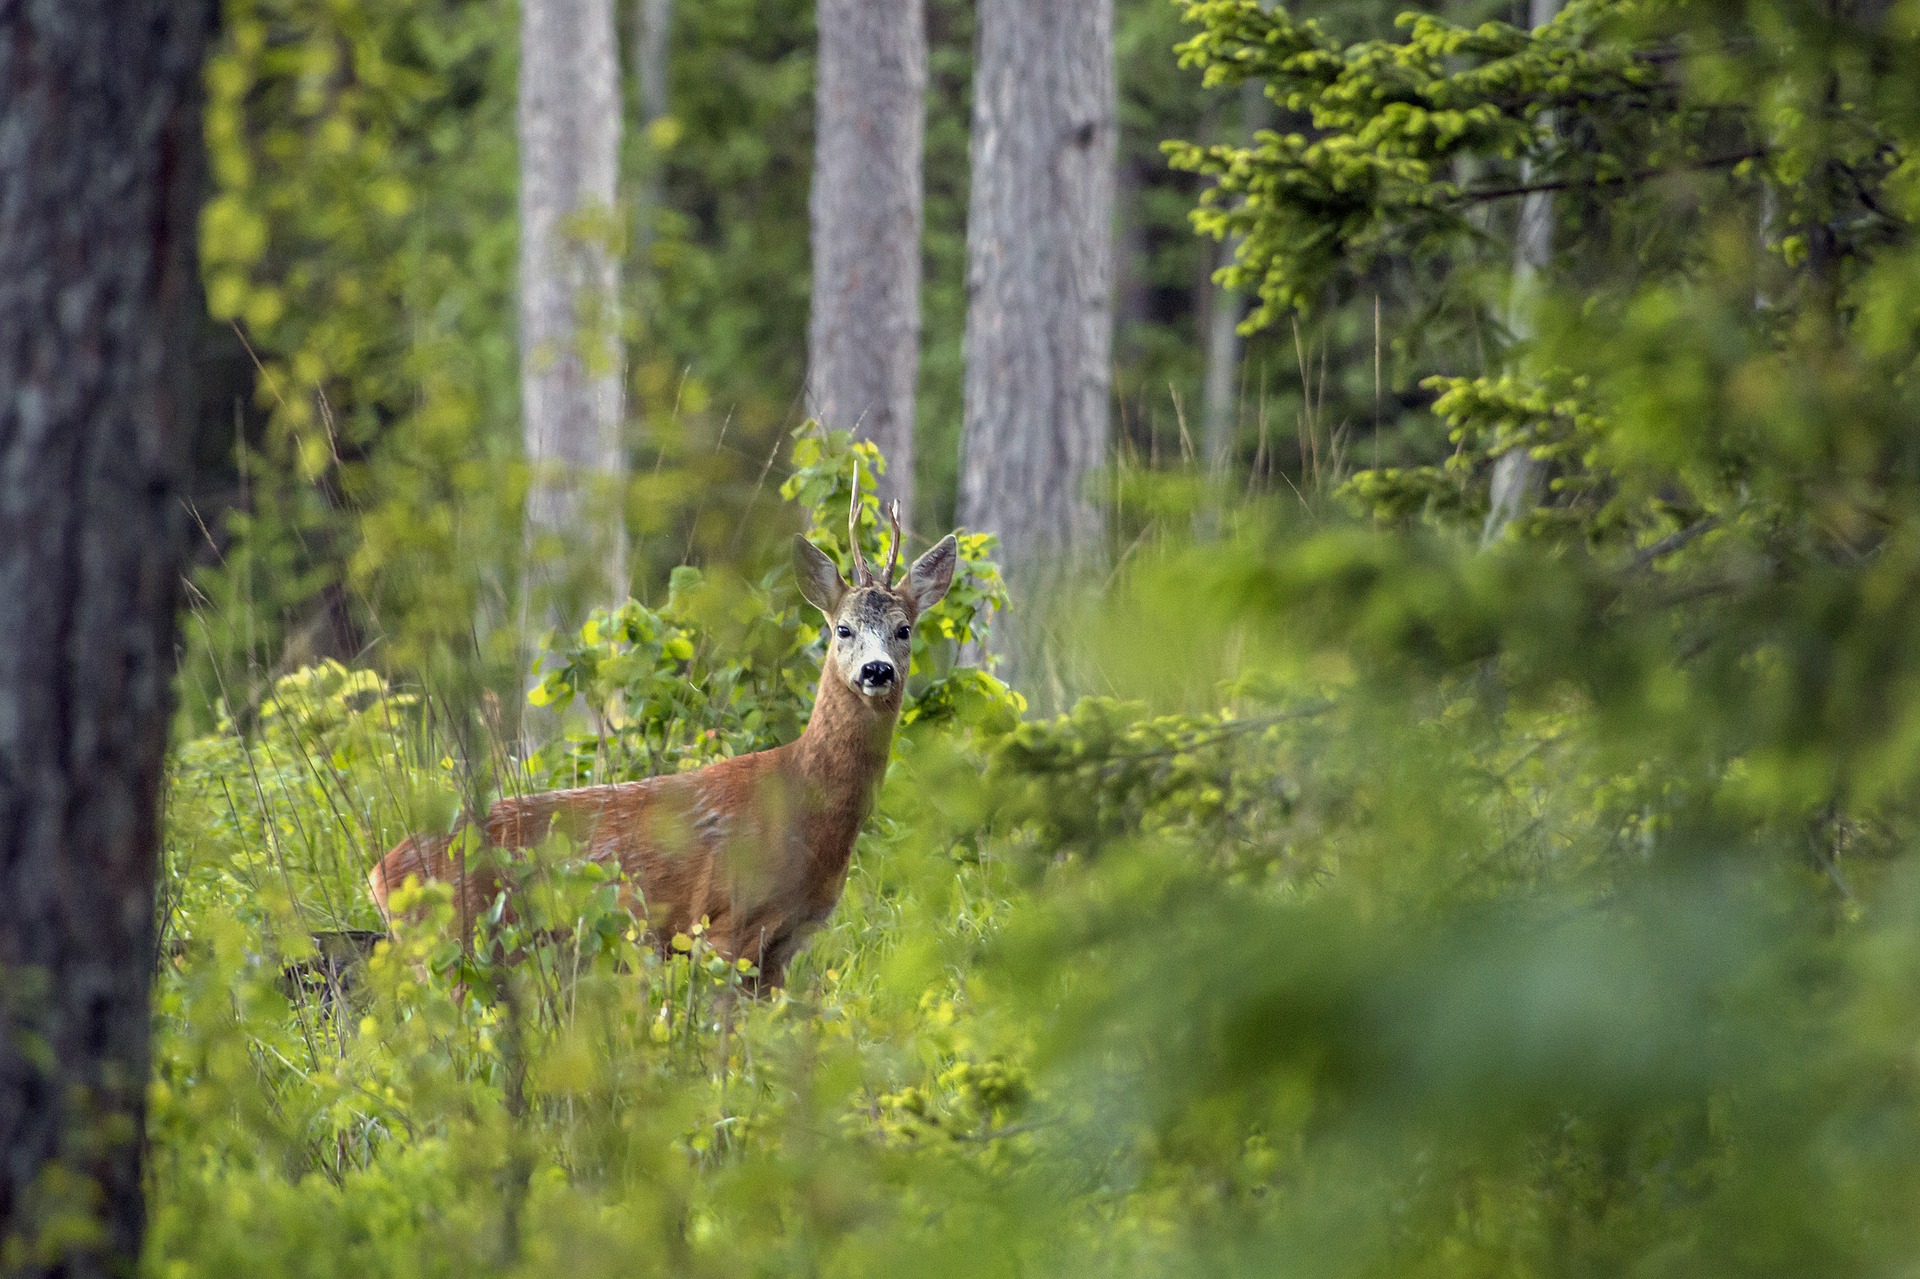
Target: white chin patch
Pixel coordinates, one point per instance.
(875, 690)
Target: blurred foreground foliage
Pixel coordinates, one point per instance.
(1400, 906)
(1404, 953)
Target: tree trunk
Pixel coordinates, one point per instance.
(1039, 335)
(569, 321)
(1221, 385)
(1220, 389)
(100, 143)
(1519, 480)
(863, 337)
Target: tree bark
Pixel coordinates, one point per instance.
(1220, 385)
(1519, 480)
(569, 317)
(863, 336)
(100, 144)
(1040, 264)
(1220, 388)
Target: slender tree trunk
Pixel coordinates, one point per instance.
(1519, 480)
(569, 321)
(1220, 390)
(99, 198)
(1220, 387)
(1767, 234)
(1039, 339)
(870, 124)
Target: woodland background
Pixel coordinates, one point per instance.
(1416, 775)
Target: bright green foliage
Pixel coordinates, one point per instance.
(1549, 416)
(1644, 119)
(1677, 140)
(1389, 120)
(361, 236)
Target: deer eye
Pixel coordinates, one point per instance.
(844, 632)
(905, 632)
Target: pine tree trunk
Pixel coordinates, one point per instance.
(1220, 388)
(1220, 384)
(870, 122)
(1518, 480)
(1040, 268)
(100, 142)
(569, 321)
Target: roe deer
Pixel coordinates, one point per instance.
(756, 845)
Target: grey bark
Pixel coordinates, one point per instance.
(1220, 389)
(1768, 234)
(100, 148)
(569, 123)
(863, 334)
(1037, 419)
(1519, 481)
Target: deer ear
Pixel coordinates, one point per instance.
(932, 574)
(820, 582)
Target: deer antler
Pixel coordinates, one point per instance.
(893, 553)
(862, 573)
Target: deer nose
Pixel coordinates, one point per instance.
(877, 673)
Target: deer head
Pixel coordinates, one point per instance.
(870, 621)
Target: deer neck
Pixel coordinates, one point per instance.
(843, 753)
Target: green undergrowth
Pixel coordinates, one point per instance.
(1359, 963)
